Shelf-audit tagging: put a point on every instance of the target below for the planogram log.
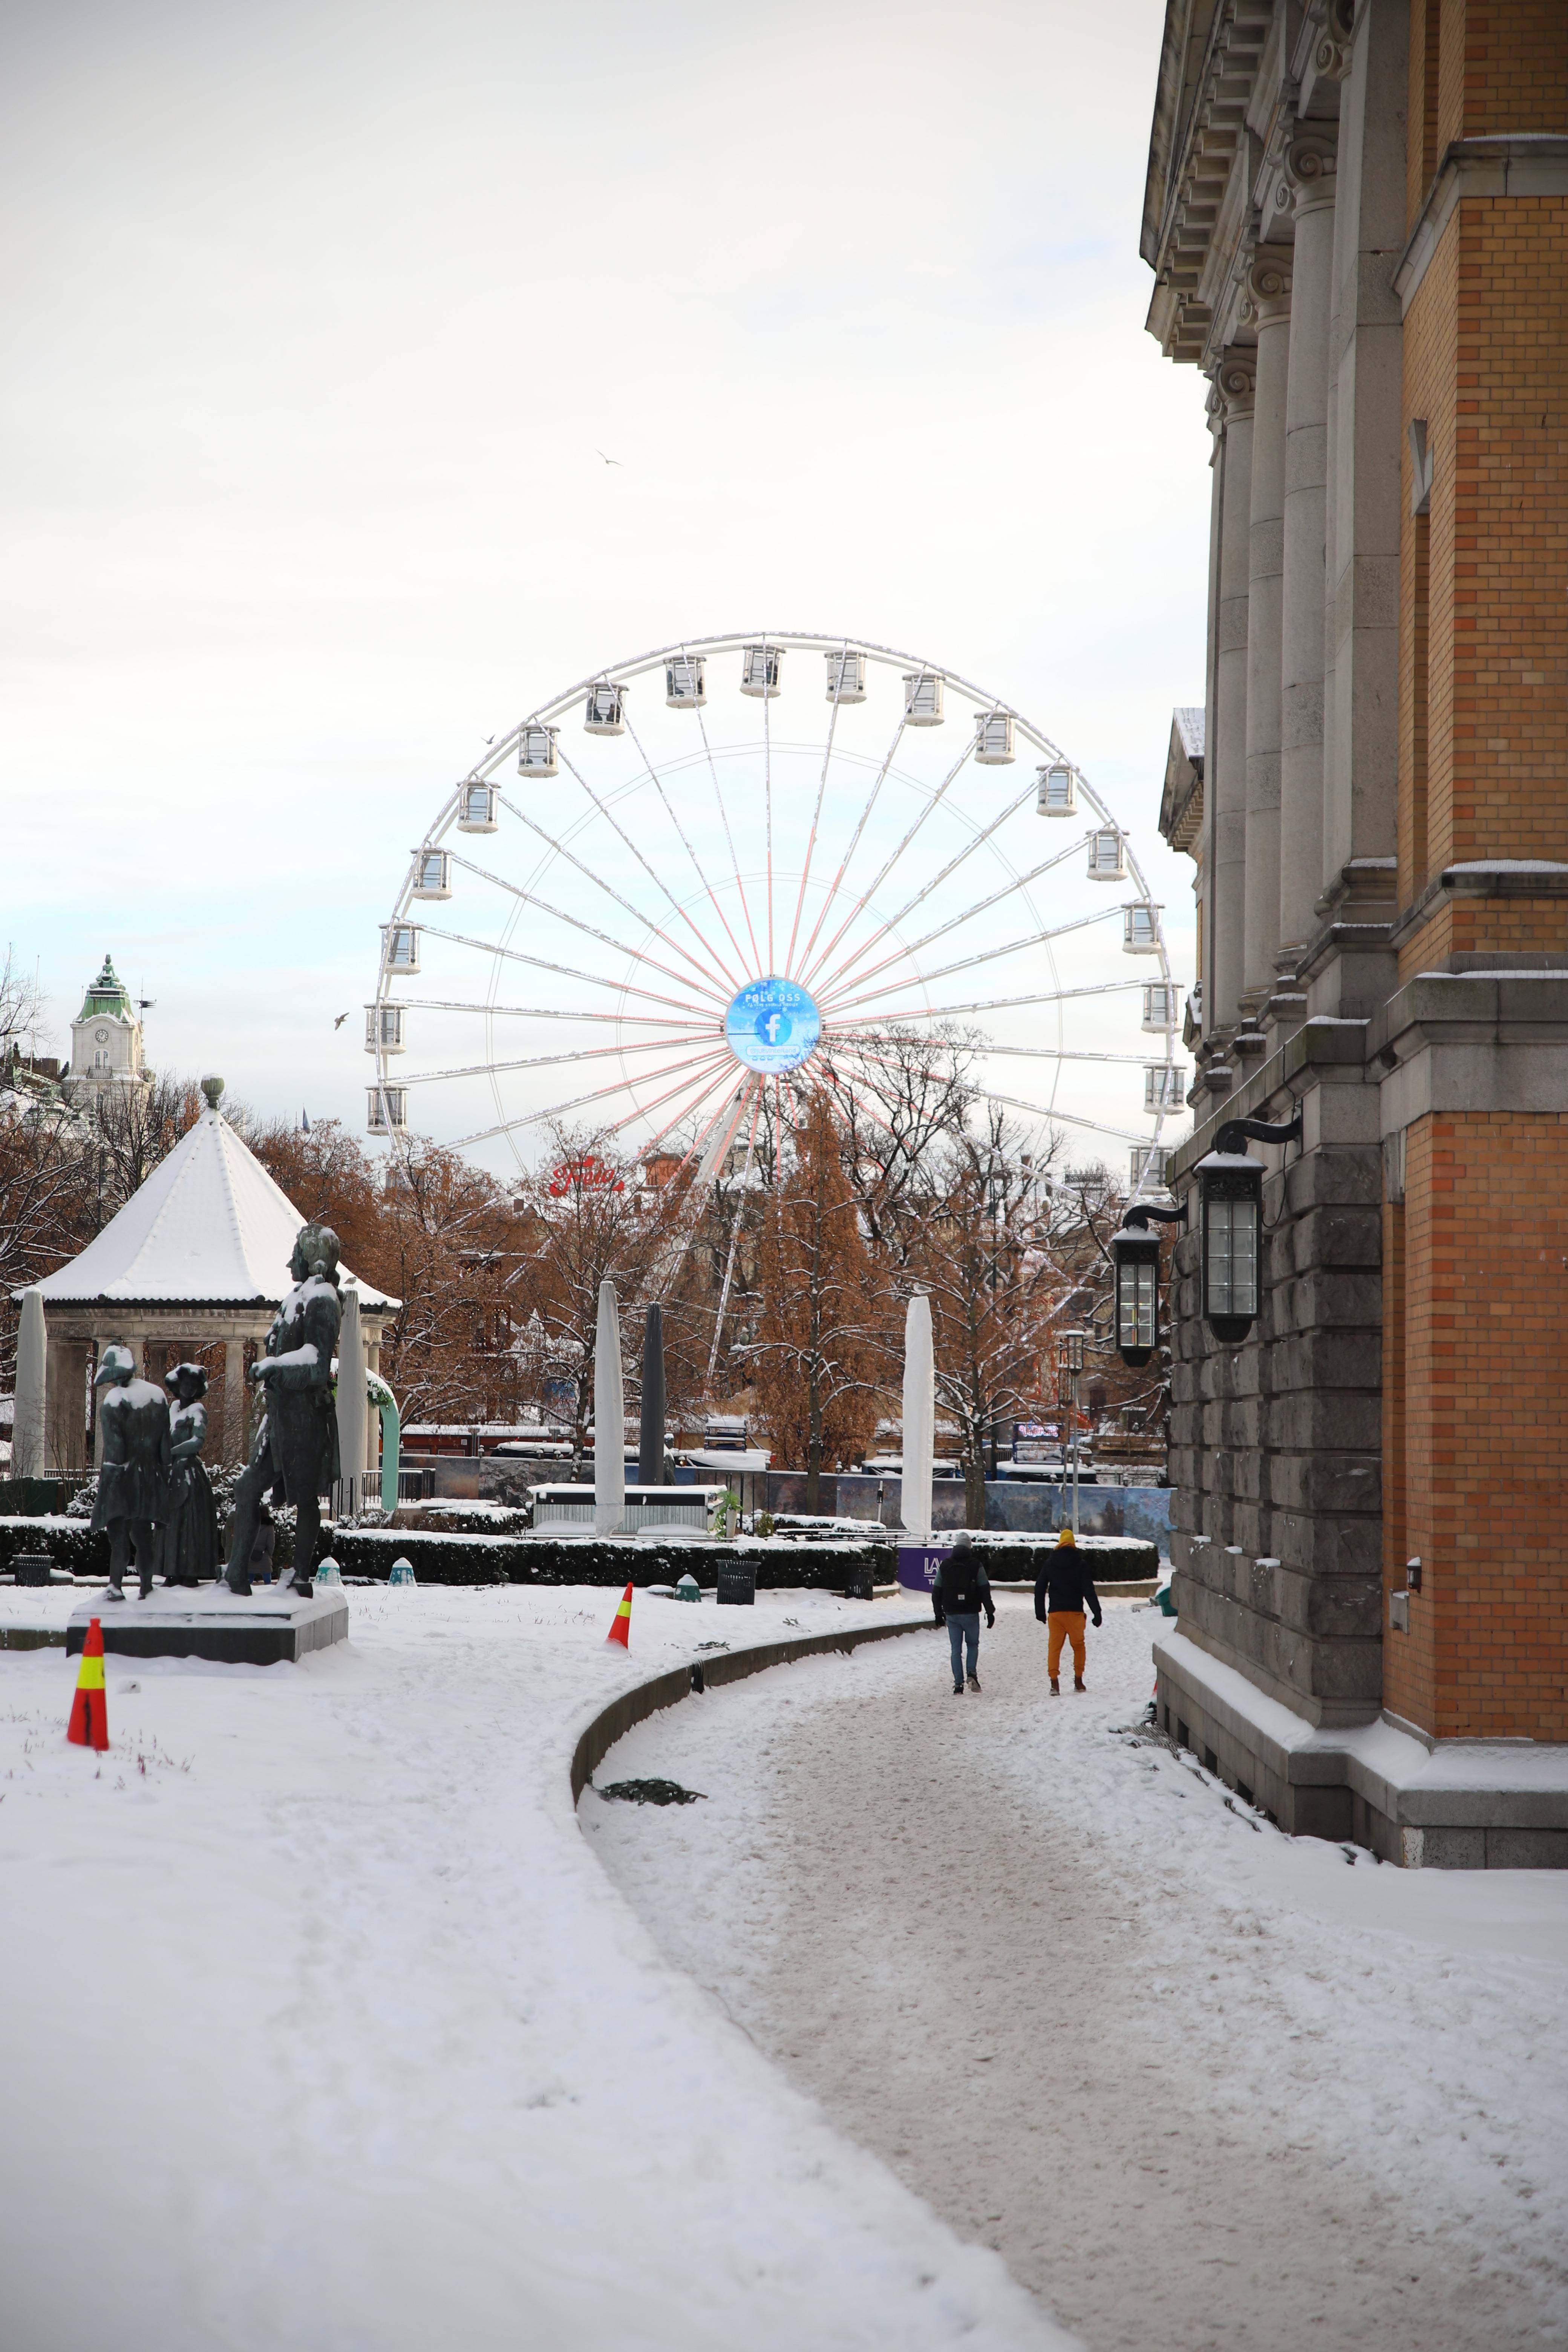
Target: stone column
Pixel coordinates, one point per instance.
(234, 1431)
(1268, 303)
(1306, 189)
(1224, 762)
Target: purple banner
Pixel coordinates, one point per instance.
(918, 1565)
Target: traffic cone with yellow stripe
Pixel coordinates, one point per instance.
(88, 1726)
(621, 1631)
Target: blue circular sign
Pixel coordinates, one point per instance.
(771, 1025)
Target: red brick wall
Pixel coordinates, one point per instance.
(1503, 66)
(1485, 1401)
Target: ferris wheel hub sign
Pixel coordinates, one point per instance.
(771, 1025)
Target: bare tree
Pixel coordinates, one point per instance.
(986, 1254)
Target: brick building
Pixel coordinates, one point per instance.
(1357, 216)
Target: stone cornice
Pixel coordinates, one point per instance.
(1531, 163)
(1499, 878)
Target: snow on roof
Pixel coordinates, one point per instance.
(1188, 721)
(209, 1226)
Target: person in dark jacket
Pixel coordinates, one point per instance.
(1062, 1592)
(961, 1591)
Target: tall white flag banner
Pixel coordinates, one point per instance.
(31, 1361)
(919, 1418)
(609, 1417)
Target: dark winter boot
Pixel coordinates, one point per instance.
(1056, 1687)
(975, 1682)
(958, 1690)
(1078, 1683)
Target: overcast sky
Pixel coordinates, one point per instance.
(318, 318)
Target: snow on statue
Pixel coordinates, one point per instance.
(133, 1474)
(296, 1451)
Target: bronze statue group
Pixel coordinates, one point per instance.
(153, 1495)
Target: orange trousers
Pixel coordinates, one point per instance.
(1066, 1625)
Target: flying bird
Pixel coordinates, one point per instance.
(490, 738)
(341, 1018)
(609, 461)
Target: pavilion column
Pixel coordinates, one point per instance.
(372, 1418)
(1226, 755)
(1268, 301)
(1306, 190)
(234, 1447)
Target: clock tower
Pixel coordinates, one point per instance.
(106, 1036)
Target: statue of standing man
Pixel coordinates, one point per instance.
(295, 1450)
(133, 1499)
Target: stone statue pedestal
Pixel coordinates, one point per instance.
(213, 1622)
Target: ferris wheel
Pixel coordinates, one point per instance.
(697, 876)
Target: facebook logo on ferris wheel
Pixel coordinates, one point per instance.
(771, 1025)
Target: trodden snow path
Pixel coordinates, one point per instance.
(1201, 2085)
(321, 2030)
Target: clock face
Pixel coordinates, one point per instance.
(101, 1035)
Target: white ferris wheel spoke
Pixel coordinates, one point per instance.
(656, 878)
(707, 973)
(816, 811)
(549, 1061)
(861, 822)
(546, 1012)
(768, 791)
(932, 805)
(729, 836)
(863, 948)
(699, 1089)
(567, 971)
(870, 1040)
(1067, 1119)
(589, 930)
(990, 955)
(578, 1102)
(917, 1012)
(657, 782)
(735, 1232)
(955, 923)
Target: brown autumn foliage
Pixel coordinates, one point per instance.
(822, 1356)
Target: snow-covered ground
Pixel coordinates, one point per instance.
(320, 2027)
(1200, 2083)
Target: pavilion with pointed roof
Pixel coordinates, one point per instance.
(198, 1255)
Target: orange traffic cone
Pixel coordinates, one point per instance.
(621, 1631)
(88, 1726)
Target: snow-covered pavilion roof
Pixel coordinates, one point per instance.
(209, 1227)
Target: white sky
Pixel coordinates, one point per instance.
(316, 317)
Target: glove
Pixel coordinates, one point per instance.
(989, 1619)
(1097, 1618)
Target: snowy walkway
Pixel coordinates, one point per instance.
(322, 2030)
(1200, 2086)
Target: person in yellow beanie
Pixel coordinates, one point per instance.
(1062, 1592)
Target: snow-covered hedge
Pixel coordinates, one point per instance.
(499, 1559)
(70, 1543)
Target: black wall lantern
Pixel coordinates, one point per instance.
(1135, 1255)
(1230, 1189)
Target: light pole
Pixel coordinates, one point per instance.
(1073, 1343)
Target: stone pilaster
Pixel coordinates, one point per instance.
(1226, 754)
(1266, 307)
(1306, 190)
